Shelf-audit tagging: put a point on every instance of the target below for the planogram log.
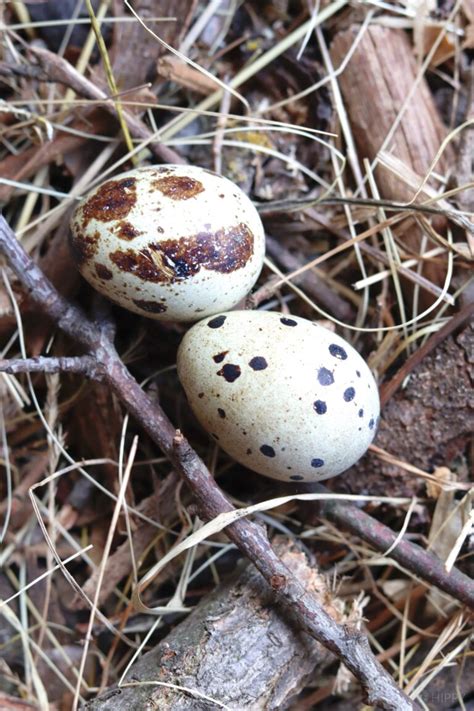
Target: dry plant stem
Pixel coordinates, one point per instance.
(351, 647)
(59, 70)
(423, 564)
(375, 254)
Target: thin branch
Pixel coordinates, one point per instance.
(86, 365)
(423, 564)
(20, 70)
(279, 206)
(350, 646)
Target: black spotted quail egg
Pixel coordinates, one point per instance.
(283, 396)
(171, 242)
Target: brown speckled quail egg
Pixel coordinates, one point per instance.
(282, 395)
(172, 242)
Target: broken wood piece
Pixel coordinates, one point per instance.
(235, 647)
(171, 68)
(134, 46)
(380, 78)
(376, 84)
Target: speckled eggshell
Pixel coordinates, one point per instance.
(282, 395)
(170, 242)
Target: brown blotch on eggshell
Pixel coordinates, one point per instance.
(178, 187)
(84, 246)
(103, 272)
(127, 231)
(222, 251)
(112, 201)
(141, 264)
(153, 307)
(174, 260)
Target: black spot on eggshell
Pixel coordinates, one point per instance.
(337, 351)
(320, 407)
(371, 423)
(358, 373)
(325, 377)
(221, 412)
(317, 463)
(296, 477)
(267, 451)
(200, 395)
(249, 451)
(216, 322)
(361, 413)
(288, 322)
(258, 363)
(230, 372)
(349, 394)
(219, 357)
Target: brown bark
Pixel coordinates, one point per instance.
(375, 86)
(134, 45)
(234, 647)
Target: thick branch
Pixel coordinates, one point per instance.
(200, 651)
(302, 607)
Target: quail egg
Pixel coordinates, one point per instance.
(286, 397)
(171, 242)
